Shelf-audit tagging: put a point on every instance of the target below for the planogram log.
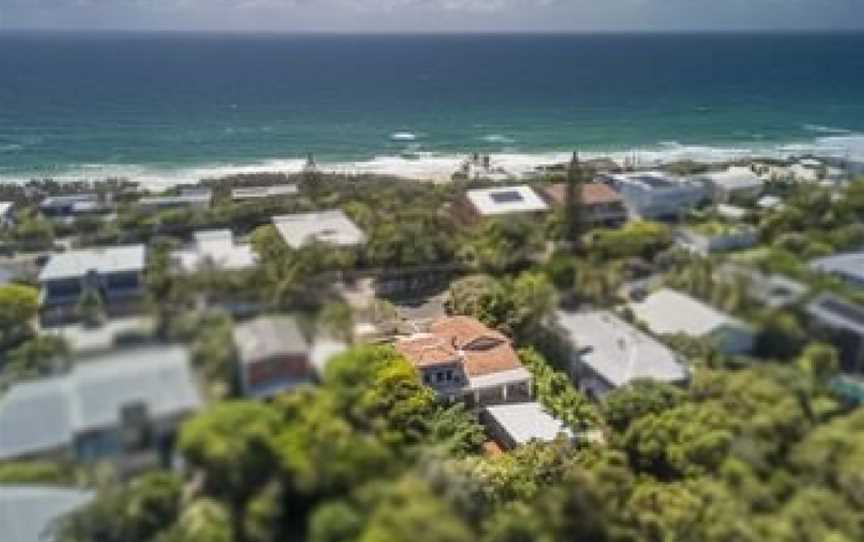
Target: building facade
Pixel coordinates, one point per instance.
(462, 359)
(115, 273)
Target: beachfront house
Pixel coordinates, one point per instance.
(28, 511)
(513, 425)
(842, 323)
(608, 353)
(655, 195)
(602, 206)
(462, 359)
(710, 237)
(115, 273)
(66, 208)
(849, 267)
(123, 406)
(332, 227)
(734, 184)
(500, 201)
(669, 312)
(273, 356)
(816, 170)
(187, 198)
(253, 193)
(215, 249)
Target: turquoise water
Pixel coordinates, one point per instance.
(165, 106)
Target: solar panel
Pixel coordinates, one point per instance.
(506, 196)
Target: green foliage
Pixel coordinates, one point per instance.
(232, 445)
(18, 306)
(36, 472)
(636, 239)
(32, 232)
(518, 307)
(833, 454)
(556, 392)
(168, 296)
(41, 356)
(212, 351)
(498, 246)
(90, 308)
(136, 513)
(639, 399)
(410, 511)
(338, 320)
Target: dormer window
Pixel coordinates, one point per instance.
(483, 343)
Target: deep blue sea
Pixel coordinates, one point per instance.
(178, 106)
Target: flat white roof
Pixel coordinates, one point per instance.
(525, 422)
(734, 178)
(669, 312)
(495, 380)
(732, 212)
(331, 227)
(849, 265)
(82, 338)
(216, 247)
(257, 192)
(619, 352)
(103, 260)
(769, 202)
(506, 200)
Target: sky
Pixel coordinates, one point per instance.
(432, 15)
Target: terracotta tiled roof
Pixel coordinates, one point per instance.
(479, 357)
(497, 359)
(424, 350)
(592, 193)
(462, 330)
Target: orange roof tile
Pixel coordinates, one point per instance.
(451, 339)
(462, 330)
(592, 193)
(425, 350)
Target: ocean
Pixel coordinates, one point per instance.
(175, 107)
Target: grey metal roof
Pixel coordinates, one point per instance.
(849, 265)
(525, 422)
(332, 227)
(669, 312)
(257, 192)
(619, 352)
(26, 512)
(734, 178)
(268, 336)
(103, 260)
(837, 313)
(46, 414)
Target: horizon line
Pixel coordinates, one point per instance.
(410, 33)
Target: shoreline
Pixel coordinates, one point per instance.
(439, 167)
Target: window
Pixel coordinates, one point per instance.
(439, 377)
(449, 376)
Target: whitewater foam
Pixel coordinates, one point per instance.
(439, 167)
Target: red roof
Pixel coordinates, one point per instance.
(483, 350)
(592, 194)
